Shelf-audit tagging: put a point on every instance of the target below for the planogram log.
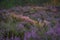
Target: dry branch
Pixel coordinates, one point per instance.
(25, 18)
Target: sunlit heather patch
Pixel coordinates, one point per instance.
(33, 29)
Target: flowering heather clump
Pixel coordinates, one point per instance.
(29, 23)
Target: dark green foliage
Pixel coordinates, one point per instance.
(11, 3)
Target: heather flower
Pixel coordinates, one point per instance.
(7, 38)
(50, 31)
(33, 34)
(1, 37)
(57, 28)
(17, 38)
(27, 35)
(19, 26)
(11, 38)
(25, 9)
